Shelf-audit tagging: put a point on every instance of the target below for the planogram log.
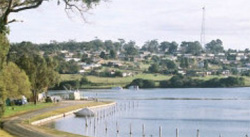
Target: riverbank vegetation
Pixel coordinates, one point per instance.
(180, 81)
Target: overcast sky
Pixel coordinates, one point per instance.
(139, 20)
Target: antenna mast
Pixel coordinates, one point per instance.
(203, 34)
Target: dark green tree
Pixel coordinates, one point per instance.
(151, 46)
(154, 68)
(164, 46)
(173, 48)
(112, 54)
(215, 46)
(205, 64)
(42, 74)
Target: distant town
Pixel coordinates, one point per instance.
(105, 64)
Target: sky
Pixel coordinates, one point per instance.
(138, 20)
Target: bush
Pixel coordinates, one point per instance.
(84, 81)
(179, 81)
(142, 83)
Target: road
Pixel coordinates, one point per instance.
(14, 125)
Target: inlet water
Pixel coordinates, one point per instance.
(224, 111)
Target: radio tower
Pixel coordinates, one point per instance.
(203, 34)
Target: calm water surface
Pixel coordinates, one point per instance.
(224, 111)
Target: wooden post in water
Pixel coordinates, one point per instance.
(86, 122)
(130, 129)
(106, 127)
(160, 131)
(117, 127)
(177, 132)
(198, 133)
(143, 130)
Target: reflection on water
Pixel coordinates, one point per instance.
(223, 111)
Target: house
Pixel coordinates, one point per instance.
(81, 71)
(64, 51)
(226, 72)
(75, 59)
(183, 72)
(127, 74)
(91, 66)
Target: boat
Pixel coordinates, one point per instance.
(117, 88)
(133, 87)
(85, 112)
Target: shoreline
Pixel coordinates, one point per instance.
(20, 125)
(50, 119)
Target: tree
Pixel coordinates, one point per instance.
(154, 68)
(184, 62)
(151, 46)
(42, 74)
(15, 80)
(164, 46)
(112, 54)
(103, 55)
(4, 49)
(215, 46)
(191, 47)
(205, 64)
(8, 7)
(130, 49)
(173, 48)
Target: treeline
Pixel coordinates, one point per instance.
(180, 81)
(130, 48)
(72, 84)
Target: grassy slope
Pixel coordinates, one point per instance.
(103, 82)
(107, 82)
(5, 134)
(66, 109)
(9, 111)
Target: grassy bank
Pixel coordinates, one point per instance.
(17, 110)
(66, 109)
(5, 134)
(108, 82)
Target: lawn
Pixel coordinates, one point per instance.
(65, 77)
(155, 77)
(107, 82)
(66, 109)
(5, 134)
(16, 110)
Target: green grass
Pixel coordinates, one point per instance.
(247, 81)
(17, 110)
(5, 134)
(65, 77)
(126, 80)
(66, 109)
(107, 82)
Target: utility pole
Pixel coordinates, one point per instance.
(203, 27)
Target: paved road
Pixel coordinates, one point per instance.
(14, 125)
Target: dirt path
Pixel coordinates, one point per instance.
(14, 125)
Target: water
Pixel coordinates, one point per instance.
(224, 111)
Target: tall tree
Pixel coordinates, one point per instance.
(164, 46)
(215, 46)
(191, 47)
(173, 48)
(41, 73)
(15, 80)
(130, 49)
(151, 46)
(8, 7)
